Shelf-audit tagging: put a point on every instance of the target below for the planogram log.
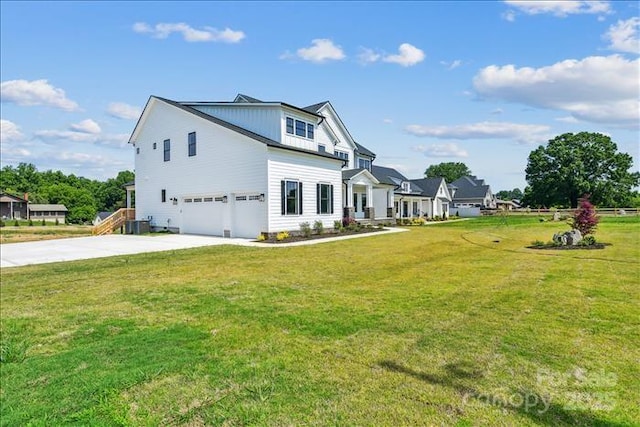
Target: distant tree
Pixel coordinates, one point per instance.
(516, 193)
(575, 164)
(450, 171)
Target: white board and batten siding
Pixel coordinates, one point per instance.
(310, 171)
(219, 168)
(265, 120)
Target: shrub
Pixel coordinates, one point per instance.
(318, 227)
(43, 222)
(57, 222)
(436, 218)
(30, 222)
(2, 224)
(305, 228)
(418, 221)
(337, 225)
(588, 241)
(283, 235)
(584, 218)
(261, 238)
(347, 221)
(537, 243)
(16, 223)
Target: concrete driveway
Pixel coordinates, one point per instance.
(46, 251)
(72, 249)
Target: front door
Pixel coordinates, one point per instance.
(359, 203)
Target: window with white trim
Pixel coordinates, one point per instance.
(364, 164)
(167, 150)
(342, 154)
(291, 197)
(324, 198)
(300, 128)
(406, 187)
(163, 195)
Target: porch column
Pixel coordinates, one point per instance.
(349, 210)
(390, 212)
(369, 210)
(128, 199)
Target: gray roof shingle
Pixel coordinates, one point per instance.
(429, 186)
(50, 208)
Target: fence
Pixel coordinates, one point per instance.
(532, 211)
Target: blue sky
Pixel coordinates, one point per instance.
(418, 83)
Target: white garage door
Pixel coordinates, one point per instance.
(249, 216)
(203, 215)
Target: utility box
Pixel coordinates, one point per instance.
(137, 227)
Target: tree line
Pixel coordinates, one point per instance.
(83, 197)
(569, 167)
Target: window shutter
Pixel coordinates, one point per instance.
(300, 197)
(318, 197)
(331, 195)
(283, 197)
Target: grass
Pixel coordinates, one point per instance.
(457, 324)
(26, 233)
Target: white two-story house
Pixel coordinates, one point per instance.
(241, 168)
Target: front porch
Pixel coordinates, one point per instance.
(365, 199)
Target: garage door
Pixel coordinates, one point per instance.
(202, 215)
(249, 216)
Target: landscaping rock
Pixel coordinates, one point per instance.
(569, 238)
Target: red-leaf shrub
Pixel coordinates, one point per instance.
(584, 218)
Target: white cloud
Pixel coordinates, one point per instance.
(441, 150)
(189, 34)
(561, 8)
(123, 111)
(567, 119)
(497, 111)
(407, 56)
(368, 56)
(484, 130)
(595, 89)
(9, 132)
(36, 92)
(623, 36)
(321, 50)
(387, 121)
(451, 65)
(86, 126)
(66, 136)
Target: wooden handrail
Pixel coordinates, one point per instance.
(114, 221)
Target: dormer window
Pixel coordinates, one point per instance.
(300, 128)
(406, 187)
(364, 164)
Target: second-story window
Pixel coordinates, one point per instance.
(343, 155)
(364, 164)
(300, 128)
(167, 150)
(192, 144)
(322, 148)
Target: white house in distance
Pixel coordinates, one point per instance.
(241, 168)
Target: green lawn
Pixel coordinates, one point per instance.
(448, 324)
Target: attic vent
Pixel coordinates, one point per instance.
(226, 234)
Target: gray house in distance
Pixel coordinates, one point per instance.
(471, 192)
(13, 207)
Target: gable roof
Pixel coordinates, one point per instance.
(352, 173)
(470, 187)
(103, 215)
(257, 137)
(429, 186)
(246, 98)
(8, 198)
(44, 208)
(388, 175)
(361, 149)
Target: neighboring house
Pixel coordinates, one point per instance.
(471, 192)
(13, 207)
(101, 216)
(48, 212)
(414, 198)
(506, 205)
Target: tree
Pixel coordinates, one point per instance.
(585, 218)
(575, 164)
(450, 171)
(516, 193)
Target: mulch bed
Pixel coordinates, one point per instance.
(325, 235)
(571, 247)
